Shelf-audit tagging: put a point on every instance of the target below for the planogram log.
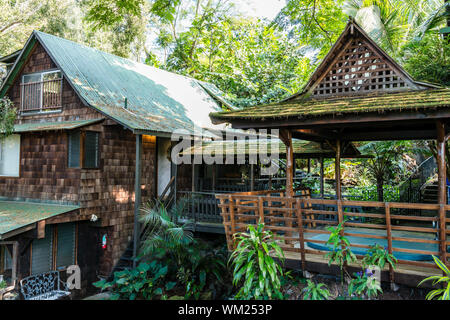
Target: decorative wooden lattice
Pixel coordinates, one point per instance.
(359, 69)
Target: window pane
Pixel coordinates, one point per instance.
(10, 156)
(51, 75)
(91, 150)
(41, 249)
(66, 245)
(74, 149)
(35, 77)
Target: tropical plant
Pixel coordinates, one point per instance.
(3, 284)
(145, 281)
(315, 291)
(255, 271)
(444, 292)
(196, 266)
(340, 253)
(378, 256)
(364, 283)
(163, 235)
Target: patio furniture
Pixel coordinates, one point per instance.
(44, 286)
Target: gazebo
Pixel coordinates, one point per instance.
(358, 93)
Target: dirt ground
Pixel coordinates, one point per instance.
(294, 289)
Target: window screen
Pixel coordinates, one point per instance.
(41, 249)
(74, 149)
(91, 150)
(66, 245)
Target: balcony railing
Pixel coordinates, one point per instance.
(41, 96)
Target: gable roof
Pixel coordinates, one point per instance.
(142, 98)
(356, 76)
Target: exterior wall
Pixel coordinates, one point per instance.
(107, 192)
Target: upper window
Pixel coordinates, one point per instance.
(83, 149)
(41, 92)
(10, 156)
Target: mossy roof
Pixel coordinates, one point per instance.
(413, 100)
(301, 148)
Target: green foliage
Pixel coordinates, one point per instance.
(315, 291)
(379, 256)
(7, 117)
(3, 284)
(195, 266)
(444, 292)
(428, 59)
(364, 284)
(254, 269)
(340, 253)
(146, 281)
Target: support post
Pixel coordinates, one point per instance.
(213, 177)
(322, 185)
(137, 196)
(442, 191)
(286, 137)
(309, 165)
(252, 177)
(337, 170)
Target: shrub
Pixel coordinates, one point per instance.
(364, 284)
(315, 291)
(145, 281)
(254, 269)
(443, 293)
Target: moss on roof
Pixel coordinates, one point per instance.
(309, 107)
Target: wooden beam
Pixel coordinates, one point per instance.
(337, 170)
(40, 229)
(252, 177)
(137, 195)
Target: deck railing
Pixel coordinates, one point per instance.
(41, 96)
(300, 224)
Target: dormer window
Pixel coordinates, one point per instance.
(41, 92)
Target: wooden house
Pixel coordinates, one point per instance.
(92, 135)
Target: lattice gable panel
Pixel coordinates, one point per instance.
(359, 69)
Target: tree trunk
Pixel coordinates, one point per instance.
(380, 189)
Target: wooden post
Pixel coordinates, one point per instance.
(137, 195)
(213, 177)
(261, 209)
(309, 165)
(252, 177)
(301, 232)
(322, 185)
(337, 170)
(286, 137)
(442, 184)
(387, 210)
(232, 219)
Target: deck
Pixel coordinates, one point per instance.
(412, 232)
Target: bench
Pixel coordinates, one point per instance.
(44, 286)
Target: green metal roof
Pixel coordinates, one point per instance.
(15, 214)
(157, 101)
(307, 108)
(48, 126)
(301, 148)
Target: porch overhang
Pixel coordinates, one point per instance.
(17, 217)
(52, 126)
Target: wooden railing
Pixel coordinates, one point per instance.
(41, 96)
(298, 223)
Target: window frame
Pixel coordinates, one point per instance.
(82, 147)
(41, 102)
(19, 174)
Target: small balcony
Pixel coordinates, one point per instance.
(41, 96)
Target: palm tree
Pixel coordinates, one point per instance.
(392, 23)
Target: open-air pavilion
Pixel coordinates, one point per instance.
(358, 93)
